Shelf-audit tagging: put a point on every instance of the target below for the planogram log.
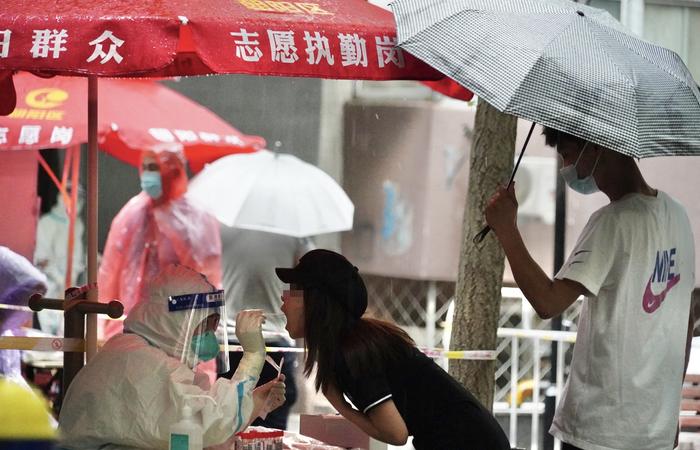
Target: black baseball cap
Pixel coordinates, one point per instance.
(332, 271)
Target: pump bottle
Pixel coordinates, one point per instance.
(187, 433)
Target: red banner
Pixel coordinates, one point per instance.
(349, 39)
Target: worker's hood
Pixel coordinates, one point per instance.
(153, 320)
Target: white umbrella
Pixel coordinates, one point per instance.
(273, 192)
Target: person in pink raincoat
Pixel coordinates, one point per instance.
(157, 227)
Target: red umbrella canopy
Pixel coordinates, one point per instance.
(349, 39)
(133, 115)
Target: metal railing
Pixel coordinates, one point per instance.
(536, 406)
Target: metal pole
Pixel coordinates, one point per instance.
(535, 423)
(514, 370)
(91, 331)
(74, 327)
(75, 308)
(430, 314)
(559, 249)
(560, 383)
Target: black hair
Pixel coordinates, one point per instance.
(552, 137)
(335, 340)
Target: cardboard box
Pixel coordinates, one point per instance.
(333, 429)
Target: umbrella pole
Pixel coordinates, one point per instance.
(484, 231)
(91, 330)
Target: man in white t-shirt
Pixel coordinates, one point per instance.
(635, 264)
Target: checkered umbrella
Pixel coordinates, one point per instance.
(561, 64)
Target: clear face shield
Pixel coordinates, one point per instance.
(204, 335)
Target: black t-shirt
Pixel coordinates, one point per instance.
(439, 413)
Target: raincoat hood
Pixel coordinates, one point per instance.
(59, 211)
(173, 172)
(147, 236)
(19, 279)
(151, 319)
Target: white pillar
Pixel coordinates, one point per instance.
(334, 94)
(430, 314)
(632, 15)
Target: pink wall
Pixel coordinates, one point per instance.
(18, 200)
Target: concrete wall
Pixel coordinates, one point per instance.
(20, 207)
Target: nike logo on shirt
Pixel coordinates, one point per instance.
(665, 270)
(651, 301)
(577, 261)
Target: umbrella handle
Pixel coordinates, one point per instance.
(482, 234)
(484, 231)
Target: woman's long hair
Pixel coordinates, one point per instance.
(331, 332)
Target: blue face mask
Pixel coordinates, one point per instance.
(585, 185)
(205, 345)
(151, 184)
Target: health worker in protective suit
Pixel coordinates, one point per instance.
(136, 387)
(157, 227)
(51, 257)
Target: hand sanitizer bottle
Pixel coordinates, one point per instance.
(187, 433)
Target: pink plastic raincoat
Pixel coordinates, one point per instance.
(147, 235)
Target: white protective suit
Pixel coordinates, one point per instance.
(51, 257)
(135, 388)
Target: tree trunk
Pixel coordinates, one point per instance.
(478, 291)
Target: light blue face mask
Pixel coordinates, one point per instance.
(585, 185)
(205, 345)
(151, 184)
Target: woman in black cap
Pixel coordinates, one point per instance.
(398, 391)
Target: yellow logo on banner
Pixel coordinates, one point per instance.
(46, 98)
(285, 7)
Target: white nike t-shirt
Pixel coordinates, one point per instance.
(636, 258)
